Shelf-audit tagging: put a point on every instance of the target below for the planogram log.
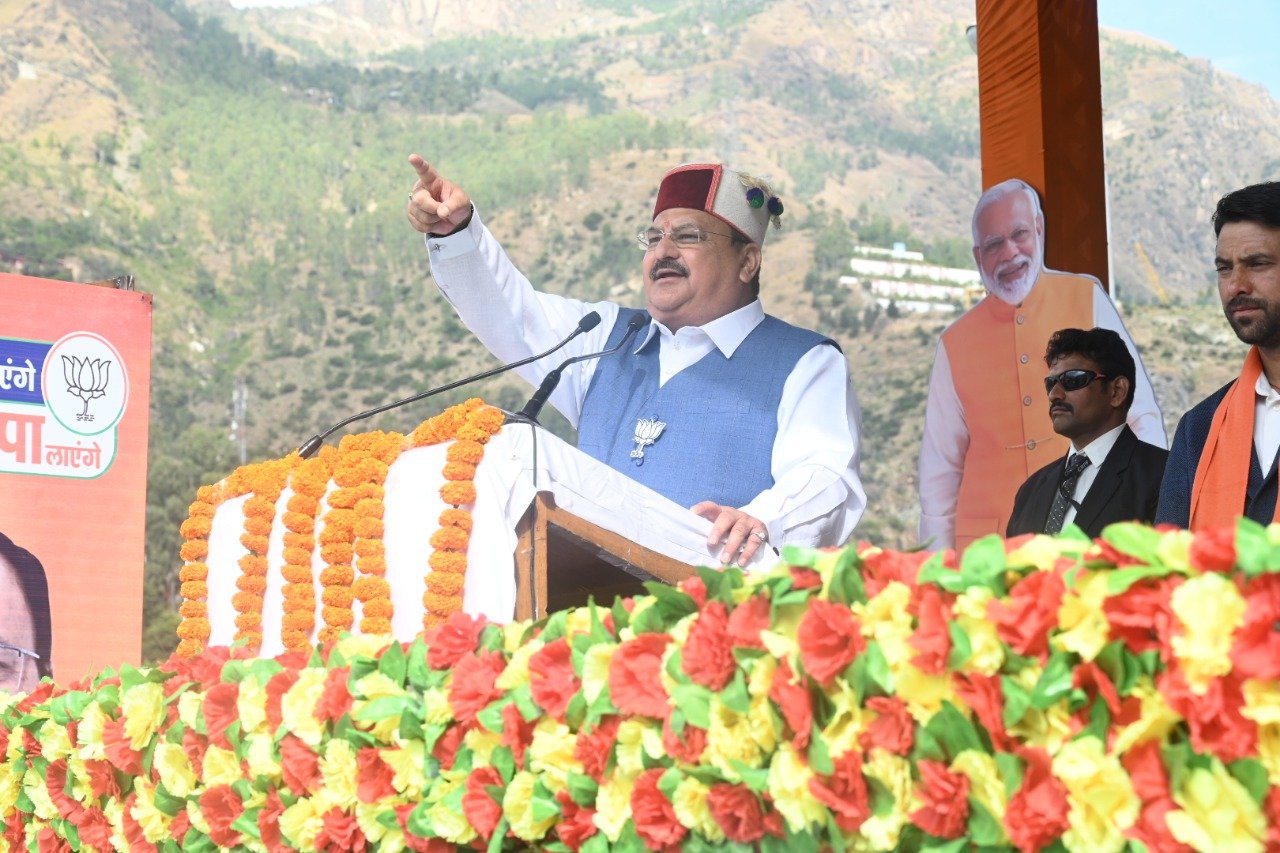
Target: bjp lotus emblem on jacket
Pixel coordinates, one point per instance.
(87, 378)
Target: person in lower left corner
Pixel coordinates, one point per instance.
(1108, 474)
(26, 627)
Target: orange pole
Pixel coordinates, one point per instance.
(1040, 104)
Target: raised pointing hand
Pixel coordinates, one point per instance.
(436, 205)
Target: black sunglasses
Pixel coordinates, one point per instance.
(1072, 380)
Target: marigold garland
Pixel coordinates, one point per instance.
(194, 630)
(309, 482)
(264, 481)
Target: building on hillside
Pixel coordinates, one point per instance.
(906, 280)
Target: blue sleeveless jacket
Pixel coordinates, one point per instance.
(721, 414)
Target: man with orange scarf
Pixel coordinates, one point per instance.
(1223, 460)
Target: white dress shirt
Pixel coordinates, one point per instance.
(1266, 423)
(817, 496)
(946, 435)
(1097, 451)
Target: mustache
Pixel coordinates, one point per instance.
(664, 264)
(1061, 406)
(1007, 266)
(1241, 301)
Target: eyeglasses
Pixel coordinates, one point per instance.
(685, 236)
(1072, 380)
(16, 666)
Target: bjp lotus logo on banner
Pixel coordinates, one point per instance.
(60, 404)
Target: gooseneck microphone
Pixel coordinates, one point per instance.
(552, 379)
(311, 445)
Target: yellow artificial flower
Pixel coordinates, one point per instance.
(848, 719)
(1217, 813)
(1204, 647)
(372, 687)
(613, 805)
(635, 740)
(55, 740)
(260, 753)
(985, 784)
(516, 672)
(1268, 752)
(517, 807)
(189, 707)
(551, 754)
(923, 692)
(153, 822)
(220, 767)
(729, 739)
(986, 652)
(1261, 701)
(339, 770)
(513, 636)
(301, 824)
(881, 832)
(1084, 625)
(251, 705)
(1155, 720)
(1048, 728)
(436, 710)
(689, 801)
(89, 732)
(143, 708)
(1042, 552)
(1174, 549)
(171, 764)
(887, 620)
(780, 646)
(10, 786)
(1103, 802)
(298, 707)
(196, 816)
(789, 776)
(382, 838)
(407, 761)
(595, 669)
(367, 646)
(482, 743)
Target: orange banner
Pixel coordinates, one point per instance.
(75, 379)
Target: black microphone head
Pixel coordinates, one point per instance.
(589, 321)
(637, 322)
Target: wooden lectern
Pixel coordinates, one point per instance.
(562, 560)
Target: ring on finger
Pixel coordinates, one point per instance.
(761, 534)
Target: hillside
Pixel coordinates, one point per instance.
(249, 169)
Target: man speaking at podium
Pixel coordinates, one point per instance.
(749, 421)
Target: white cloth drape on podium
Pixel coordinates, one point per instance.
(506, 483)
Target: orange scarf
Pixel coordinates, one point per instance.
(1222, 477)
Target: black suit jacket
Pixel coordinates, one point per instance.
(1127, 488)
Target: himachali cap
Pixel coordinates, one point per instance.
(740, 200)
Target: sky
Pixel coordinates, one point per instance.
(1238, 36)
(1241, 37)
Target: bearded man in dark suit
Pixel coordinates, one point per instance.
(1109, 474)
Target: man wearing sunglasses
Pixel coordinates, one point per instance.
(985, 431)
(1109, 474)
(1223, 460)
(747, 420)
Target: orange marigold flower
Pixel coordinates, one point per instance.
(457, 494)
(337, 554)
(193, 609)
(470, 452)
(253, 564)
(195, 589)
(252, 583)
(295, 556)
(445, 583)
(255, 542)
(246, 602)
(375, 625)
(366, 588)
(209, 495)
(453, 517)
(450, 539)
(376, 566)
(338, 617)
(369, 528)
(342, 499)
(367, 548)
(380, 608)
(448, 561)
(258, 527)
(440, 603)
(340, 575)
(296, 574)
(459, 471)
(298, 522)
(337, 596)
(193, 571)
(196, 528)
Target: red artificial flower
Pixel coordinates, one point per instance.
(1141, 616)
(448, 643)
(654, 816)
(893, 729)
(47, 841)
(707, 657)
(133, 833)
(552, 681)
(747, 620)
(221, 807)
(805, 578)
(829, 638)
(791, 695)
(336, 699)
(220, 712)
(481, 809)
(269, 822)
(180, 825)
(932, 637)
(341, 833)
(635, 676)
(1256, 651)
(982, 693)
(1213, 718)
(694, 587)
(594, 748)
(102, 779)
(194, 745)
(1271, 808)
(946, 801)
(686, 746)
(1032, 610)
(94, 830)
(13, 830)
(577, 824)
(738, 812)
(277, 686)
(1096, 684)
(517, 732)
(1037, 813)
(883, 567)
(472, 687)
(1151, 784)
(374, 776)
(446, 748)
(1214, 550)
(125, 758)
(299, 765)
(844, 791)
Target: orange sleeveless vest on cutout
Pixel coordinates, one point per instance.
(996, 353)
